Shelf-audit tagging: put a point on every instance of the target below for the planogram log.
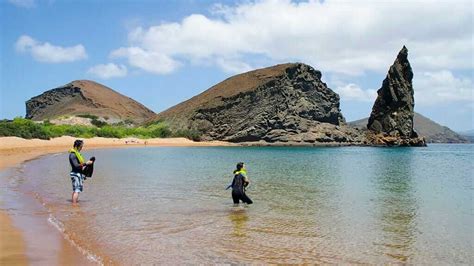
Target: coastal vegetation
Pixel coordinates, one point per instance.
(28, 129)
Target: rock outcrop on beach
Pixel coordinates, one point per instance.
(285, 103)
(84, 97)
(391, 120)
(425, 127)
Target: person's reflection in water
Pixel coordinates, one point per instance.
(239, 217)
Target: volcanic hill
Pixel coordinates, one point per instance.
(86, 97)
(286, 103)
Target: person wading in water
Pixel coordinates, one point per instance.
(77, 169)
(239, 184)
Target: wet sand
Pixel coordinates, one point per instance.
(11, 245)
(15, 243)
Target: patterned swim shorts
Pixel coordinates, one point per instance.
(77, 180)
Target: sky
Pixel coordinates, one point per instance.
(163, 52)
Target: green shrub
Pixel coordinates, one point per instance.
(188, 133)
(23, 128)
(128, 121)
(159, 130)
(98, 123)
(28, 129)
(88, 116)
(111, 132)
(155, 122)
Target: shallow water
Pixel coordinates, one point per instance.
(341, 205)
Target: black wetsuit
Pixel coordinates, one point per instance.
(76, 167)
(238, 191)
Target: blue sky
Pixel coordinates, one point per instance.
(163, 52)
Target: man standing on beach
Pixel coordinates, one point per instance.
(77, 166)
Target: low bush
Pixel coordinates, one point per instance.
(28, 129)
(88, 116)
(23, 128)
(188, 133)
(98, 123)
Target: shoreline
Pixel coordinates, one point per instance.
(14, 151)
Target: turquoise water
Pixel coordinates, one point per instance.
(311, 205)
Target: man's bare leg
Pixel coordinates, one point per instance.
(75, 197)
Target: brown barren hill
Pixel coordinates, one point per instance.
(284, 104)
(86, 97)
(214, 96)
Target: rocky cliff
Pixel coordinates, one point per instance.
(285, 103)
(425, 127)
(391, 119)
(289, 104)
(86, 97)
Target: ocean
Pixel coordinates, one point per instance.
(168, 205)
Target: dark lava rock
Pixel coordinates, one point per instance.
(426, 128)
(392, 113)
(285, 103)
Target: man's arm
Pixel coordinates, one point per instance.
(75, 161)
(246, 180)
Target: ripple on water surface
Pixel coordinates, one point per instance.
(352, 204)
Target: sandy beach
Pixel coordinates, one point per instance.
(14, 151)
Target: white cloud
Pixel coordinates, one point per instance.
(48, 53)
(442, 87)
(232, 66)
(431, 89)
(108, 71)
(150, 61)
(352, 92)
(349, 37)
(23, 3)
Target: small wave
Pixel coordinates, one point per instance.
(60, 227)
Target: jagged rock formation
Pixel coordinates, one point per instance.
(425, 127)
(285, 103)
(391, 119)
(86, 97)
